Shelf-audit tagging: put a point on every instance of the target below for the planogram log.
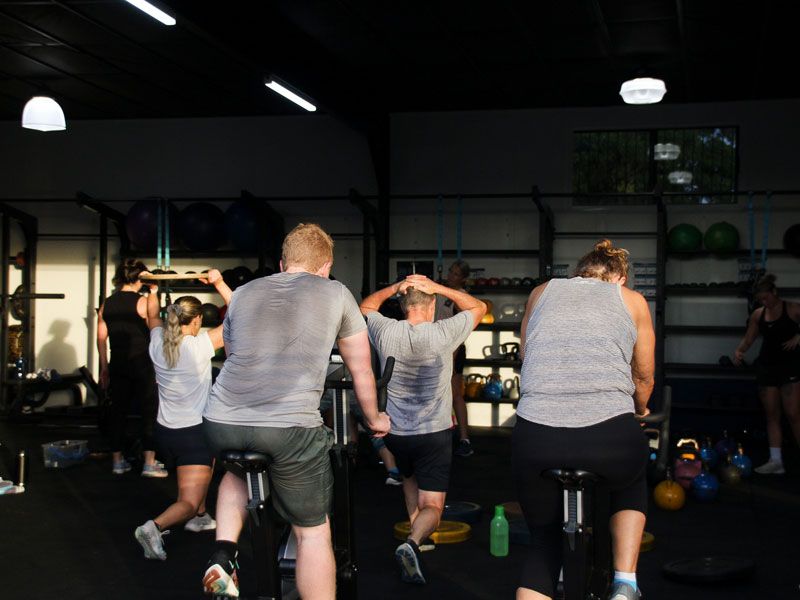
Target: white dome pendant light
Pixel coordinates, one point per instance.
(43, 114)
(644, 90)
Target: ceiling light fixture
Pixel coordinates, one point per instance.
(43, 114)
(156, 13)
(680, 178)
(283, 89)
(643, 90)
(666, 151)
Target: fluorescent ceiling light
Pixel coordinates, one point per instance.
(644, 90)
(680, 177)
(156, 13)
(43, 114)
(666, 151)
(284, 91)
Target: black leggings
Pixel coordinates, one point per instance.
(138, 381)
(616, 450)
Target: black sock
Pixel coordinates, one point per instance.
(413, 545)
(202, 514)
(225, 554)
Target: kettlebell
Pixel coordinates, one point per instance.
(708, 454)
(488, 318)
(493, 389)
(742, 462)
(729, 474)
(517, 281)
(511, 388)
(725, 446)
(505, 281)
(705, 486)
(473, 386)
(508, 311)
(669, 495)
(492, 352)
(510, 350)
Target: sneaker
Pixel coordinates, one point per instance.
(408, 559)
(222, 581)
(393, 478)
(771, 467)
(464, 449)
(121, 467)
(151, 540)
(154, 470)
(623, 591)
(427, 545)
(198, 523)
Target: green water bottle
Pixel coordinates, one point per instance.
(498, 533)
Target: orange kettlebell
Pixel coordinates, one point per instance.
(488, 318)
(473, 386)
(669, 494)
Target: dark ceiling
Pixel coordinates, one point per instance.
(105, 59)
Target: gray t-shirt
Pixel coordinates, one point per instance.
(420, 399)
(279, 332)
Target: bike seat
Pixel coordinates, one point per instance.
(571, 477)
(249, 461)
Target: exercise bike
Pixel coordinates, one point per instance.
(588, 562)
(274, 543)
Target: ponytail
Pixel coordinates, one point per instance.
(182, 312)
(603, 262)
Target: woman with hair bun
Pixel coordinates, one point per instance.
(777, 365)
(182, 359)
(588, 349)
(122, 322)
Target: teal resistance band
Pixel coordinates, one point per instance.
(158, 236)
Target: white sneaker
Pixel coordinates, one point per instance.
(198, 523)
(771, 467)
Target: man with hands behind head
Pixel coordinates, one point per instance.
(419, 398)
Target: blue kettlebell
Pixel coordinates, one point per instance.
(705, 487)
(708, 454)
(742, 462)
(493, 390)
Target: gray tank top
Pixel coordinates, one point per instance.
(578, 351)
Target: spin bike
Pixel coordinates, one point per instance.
(274, 543)
(588, 563)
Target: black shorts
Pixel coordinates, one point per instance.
(459, 358)
(183, 446)
(777, 374)
(426, 456)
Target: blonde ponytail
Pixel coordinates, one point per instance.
(182, 312)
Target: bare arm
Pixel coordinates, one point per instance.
(750, 336)
(463, 301)
(374, 301)
(102, 348)
(215, 278)
(533, 298)
(356, 354)
(643, 365)
(153, 308)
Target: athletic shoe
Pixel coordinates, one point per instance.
(154, 471)
(623, 591)
(427, 545)
(198, 523)
(408, 559)
(121, 467)
(771, 467)
(393, 478)
(464, 449)
(222, 581)
(151, 540)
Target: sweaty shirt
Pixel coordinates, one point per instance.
(279, 332)
(419, 395)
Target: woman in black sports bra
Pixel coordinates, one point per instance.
(778, 365)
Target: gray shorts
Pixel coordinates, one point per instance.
(300, 476)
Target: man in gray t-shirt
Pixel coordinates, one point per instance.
(279, 332)
(419, 398)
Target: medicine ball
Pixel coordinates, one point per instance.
(210, 315)
(791, 239)
(201, 227)
(721, 237)
(684, 237)
(241, 225)
(141, 223)
(241, 275)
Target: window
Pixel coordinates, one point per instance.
(702, 161)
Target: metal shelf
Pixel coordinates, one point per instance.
(705, 329)
(182, 254)
(465, 252)
(499, 326)
(725, 255)
(493, 362)
(721, 290)
(607, 234)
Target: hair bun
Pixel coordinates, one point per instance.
(603, 246)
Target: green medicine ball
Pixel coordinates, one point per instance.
(721, 237)
(684, 238)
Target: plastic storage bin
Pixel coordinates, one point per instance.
(64, 453)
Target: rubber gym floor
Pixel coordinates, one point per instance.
(70, 536)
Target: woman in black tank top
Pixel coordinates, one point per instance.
(122, 322)
(778, 365)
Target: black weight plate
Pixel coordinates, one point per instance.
(709, 569)
(463, 512)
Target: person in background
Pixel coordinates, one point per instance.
(588, 349)
(457, 276)
(122, 323)
(777, 365)
(182, 355)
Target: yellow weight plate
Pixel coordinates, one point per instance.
(448, 532)
(648, 541)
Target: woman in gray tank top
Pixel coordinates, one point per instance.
(588, 362)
